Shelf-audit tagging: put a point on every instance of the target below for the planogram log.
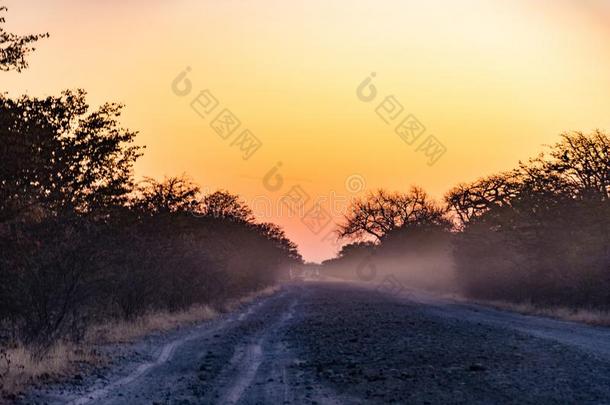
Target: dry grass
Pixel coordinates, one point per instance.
(588, 316)
(161, 321)
(64, 358)
(583, 315)
(232, 305)
(61, 359)
(127, 331)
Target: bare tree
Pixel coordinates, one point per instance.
(540, 233)
(468, 201)
(381, 212)
(575, 168)
(584, 162)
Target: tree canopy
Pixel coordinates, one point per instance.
(381, 212)
(58, 154)
(14, 48)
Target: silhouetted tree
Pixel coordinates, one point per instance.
(56, 155)
(381, 212)
(540, 233)
(402, 226)
(222, 204)
(49, 273)
(79, 243)
(355, 249)
(468, 201)
(14, 48)
(583, 162)
(277, 235)
(173, 194)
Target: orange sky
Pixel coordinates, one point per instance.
(493, 81)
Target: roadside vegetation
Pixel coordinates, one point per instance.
(537, 236)
(86, 250)
(89, 254)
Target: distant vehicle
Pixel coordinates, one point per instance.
(304, 273)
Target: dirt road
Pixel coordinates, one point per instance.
(334, 343)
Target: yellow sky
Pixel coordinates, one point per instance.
(493, 81)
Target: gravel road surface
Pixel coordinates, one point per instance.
(340, 343)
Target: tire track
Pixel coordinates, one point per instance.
(106, 394)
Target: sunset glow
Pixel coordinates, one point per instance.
(493, 81)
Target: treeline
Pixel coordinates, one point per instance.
(403, 235)
(539, 233)
(81, 242)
